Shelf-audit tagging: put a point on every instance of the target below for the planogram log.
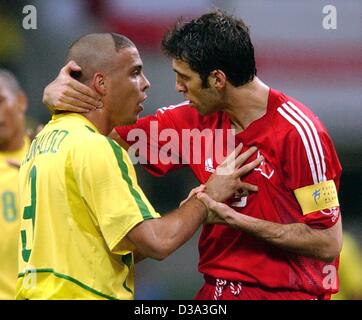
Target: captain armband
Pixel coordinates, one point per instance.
(317, 197)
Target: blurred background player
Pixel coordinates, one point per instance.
(13, 147)
(213, 58)
(85, 216)
(350, 275)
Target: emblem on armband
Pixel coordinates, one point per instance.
(317, 197)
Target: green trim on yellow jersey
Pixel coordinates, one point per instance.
(90, 129)
(127, 260)
(124, 170)
(63, 276)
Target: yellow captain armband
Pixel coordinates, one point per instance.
(317, 197)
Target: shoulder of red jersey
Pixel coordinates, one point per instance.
(185, 115)
(293, 116)
(300, 129)
(182, 108)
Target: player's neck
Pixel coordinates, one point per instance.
(247, 103)
(14, 144)
(100, 119)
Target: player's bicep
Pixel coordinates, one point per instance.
(312, 172)
(319, 204)
(111, 191)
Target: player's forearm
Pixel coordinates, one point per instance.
(177, 227)
(323, 244)
(158, 238)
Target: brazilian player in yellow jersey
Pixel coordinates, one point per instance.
(350, 275)
(13, 147)
(85, 220)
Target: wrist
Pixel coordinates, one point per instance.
(203, 206)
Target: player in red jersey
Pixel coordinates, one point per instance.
(285, 239)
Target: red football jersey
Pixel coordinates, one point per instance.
(298, 152)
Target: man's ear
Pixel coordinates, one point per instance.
(217, 79)
(99, 84)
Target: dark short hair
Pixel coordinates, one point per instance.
(121, 41)
(213, 41)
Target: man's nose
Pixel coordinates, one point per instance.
(146, 84)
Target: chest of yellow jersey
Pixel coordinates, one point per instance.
(72, 187)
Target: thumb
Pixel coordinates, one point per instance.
(70, 66)
(200, 188)
(208, 202)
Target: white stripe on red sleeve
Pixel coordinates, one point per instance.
(299, 120)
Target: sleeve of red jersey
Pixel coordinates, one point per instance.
(312, 172)
(156, 142)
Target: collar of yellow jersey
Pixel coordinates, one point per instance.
(76, 116)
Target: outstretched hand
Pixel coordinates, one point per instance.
(225, 181)
(192, 193)
(219, 213)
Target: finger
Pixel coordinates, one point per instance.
(210, 203)
(247, 187)
(76, 102)
(231, 157)
(76, 85)
(244, 156)
(193, 192)
(248, 167)
(205, 199)
(70, 66)
(182, 203)
(200, 188)
(71, 92)
(85, 90)
(71, 108)
(237, 150)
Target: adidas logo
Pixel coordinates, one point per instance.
(209, 167)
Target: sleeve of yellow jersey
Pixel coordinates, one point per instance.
(109, 186)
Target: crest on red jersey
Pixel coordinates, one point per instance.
(265, 168)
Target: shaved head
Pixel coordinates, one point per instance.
(95, 53)
(8, 79)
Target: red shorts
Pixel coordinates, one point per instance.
(216, 289)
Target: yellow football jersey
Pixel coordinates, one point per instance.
(79, 199)
(9, 221)
(350, 275)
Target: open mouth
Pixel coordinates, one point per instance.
(140, 104)
(139, 108)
